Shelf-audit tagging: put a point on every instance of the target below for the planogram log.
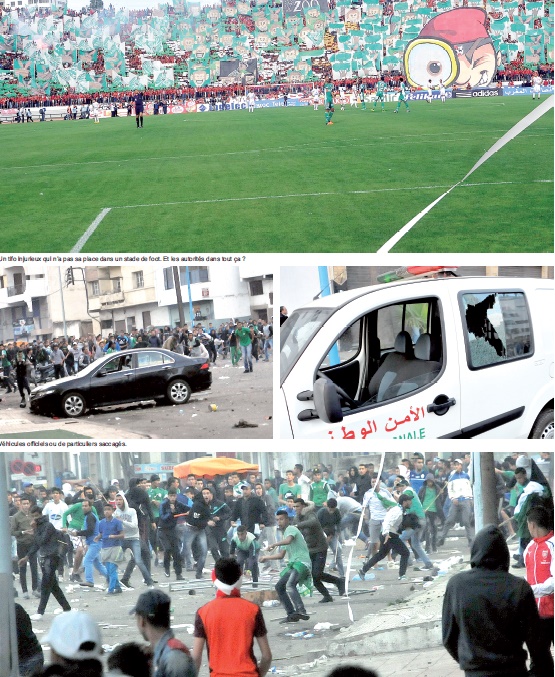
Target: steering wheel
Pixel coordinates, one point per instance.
(339, 390)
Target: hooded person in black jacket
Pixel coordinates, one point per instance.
(488, 614)
(47, 543)
(138, 499)
(196, 521)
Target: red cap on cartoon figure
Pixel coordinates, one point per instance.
(457, 26)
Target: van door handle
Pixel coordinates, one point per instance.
(441, 405)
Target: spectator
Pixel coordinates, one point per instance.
(489, 614)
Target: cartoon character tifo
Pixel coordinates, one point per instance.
(454, 47)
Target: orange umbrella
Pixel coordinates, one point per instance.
(209, 467)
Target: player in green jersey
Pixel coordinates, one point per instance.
(362, 90)
(402, 96)
(381, 88)
(328, 91)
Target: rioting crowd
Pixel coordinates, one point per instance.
(295, 527)
(39, 361)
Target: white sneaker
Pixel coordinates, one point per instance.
(36, 617)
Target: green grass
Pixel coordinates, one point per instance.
(279, 180)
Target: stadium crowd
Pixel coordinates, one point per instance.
(244, 520)
(192, 44)
(39, 361)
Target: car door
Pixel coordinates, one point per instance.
(365, 331)
(152, 373)
(112, 382)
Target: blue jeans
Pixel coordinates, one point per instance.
(92, 559)
(192, 535)
(247, 356)
(288, 594)
(268, 345)
(335, 547)
(135, 546)
(413, 535)
(113, 581)
(351, 519)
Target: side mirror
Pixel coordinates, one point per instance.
(100, 373)
(327, 402)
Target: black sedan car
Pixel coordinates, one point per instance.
(124, 377)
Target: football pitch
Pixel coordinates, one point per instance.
(280, 180)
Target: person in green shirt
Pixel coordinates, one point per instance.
(245, 335)
(381, 88)
(156, 495)
(329, 109)
(413, 534)
(319, 488)
(362, 90)
(288, 487)
(296, 572)
(77, 515)
(430, 497)
(402, 96)
(271, 491)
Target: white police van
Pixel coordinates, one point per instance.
(423, 357)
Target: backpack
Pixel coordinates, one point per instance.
(177, 645)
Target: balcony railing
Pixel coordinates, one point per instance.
(16, 290)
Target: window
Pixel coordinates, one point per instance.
(146, 319)
(105, 324)
(196, 274)
(138, 280)
(256, 287)
(95, 288)
(152, 359)
(116, 284)
(498, 327)
(112, 365)
(345, 348)
(387, 353)
(168, 278)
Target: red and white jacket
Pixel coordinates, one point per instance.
(539, 558)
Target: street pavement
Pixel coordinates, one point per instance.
(237, 396)
(396, 627)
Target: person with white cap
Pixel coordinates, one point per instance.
(75, 644)
(230, 645)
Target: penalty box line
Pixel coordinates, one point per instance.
(520, 126)
(78, 247)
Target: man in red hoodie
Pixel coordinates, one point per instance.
(540, 567)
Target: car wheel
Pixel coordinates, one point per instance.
(543, 427)
(73, 405)
(179, 391)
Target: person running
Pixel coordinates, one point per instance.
(402, 96)
(245, 336)
(139, 109)
(328, 92)
(92, 556)
(170, 509)
(111, 534)
(22, 528)
(297, 570)
(390, 539)
(381, 88)
(47, 543)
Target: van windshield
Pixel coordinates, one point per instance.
(297, 332)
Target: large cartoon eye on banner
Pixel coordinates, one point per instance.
(454, 47)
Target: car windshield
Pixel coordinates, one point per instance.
(296, 334)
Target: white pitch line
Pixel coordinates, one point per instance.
(520, 126)
(90, 230)
(323, 194)
(331, 143)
